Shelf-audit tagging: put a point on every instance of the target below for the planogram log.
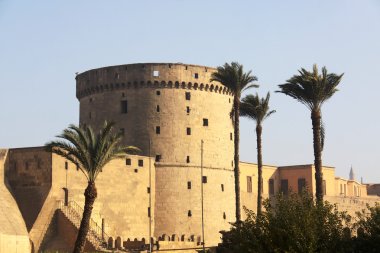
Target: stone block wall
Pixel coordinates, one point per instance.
(179, 209)
(13, 233)
(123, 197)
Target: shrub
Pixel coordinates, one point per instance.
(294, 223)
(368, 230)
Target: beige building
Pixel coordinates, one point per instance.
(166, 110)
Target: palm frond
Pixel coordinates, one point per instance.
(256, 108)
(234, 78)
(88, 151)
(323, 135)
(311, 88)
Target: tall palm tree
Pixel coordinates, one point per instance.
(256, 108)
(236, 80)
(90, 153)
(313, 89)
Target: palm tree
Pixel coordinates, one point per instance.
(90, 153)
(236, 80)
(256, 108)
(313, 89)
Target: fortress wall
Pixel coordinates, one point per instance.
(123, 198)
(29, 175)
(174, 201)
(352, 204)
(374, 189)
(13, 233)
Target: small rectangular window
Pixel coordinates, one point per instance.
(158, 92)
(158, 158)
(158, 108)
(188, 110)
(189, 213)
(141, 163)
(148, 190)
(128, 161)
(188, 131)
(271, 186)
(204, 179)
(231, 136)
(124, 106)
(136, 170)
(189, 185)
(66, 165)
(156, 73)
(284, 186)
(148, 211)
(222, 187)
(196, 75)
(249, 184)
(158, 130)
(187, 95)
(301, 185)
(188, 159)
(205, 122)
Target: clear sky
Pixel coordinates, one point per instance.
(43, 44)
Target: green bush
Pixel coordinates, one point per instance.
(295, 223)
(368, 230)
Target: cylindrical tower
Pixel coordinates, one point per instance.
(175, 106)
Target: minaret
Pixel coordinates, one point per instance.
(352, 175)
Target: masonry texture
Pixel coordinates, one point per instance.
(165, 109)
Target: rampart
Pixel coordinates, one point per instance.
(13, 233)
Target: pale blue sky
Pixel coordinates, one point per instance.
(43, 44)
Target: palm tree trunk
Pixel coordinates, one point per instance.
(236, 156)
(316, 121)
(90, 195)
(259, 130)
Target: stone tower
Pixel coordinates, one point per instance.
(173, 107)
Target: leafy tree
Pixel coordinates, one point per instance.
(256, 108)
(236, 80)
(292, 224)
(90, 153)
(313, 89)
(368, 230)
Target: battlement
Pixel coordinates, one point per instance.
(147, 75)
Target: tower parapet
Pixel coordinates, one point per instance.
(147, 75)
